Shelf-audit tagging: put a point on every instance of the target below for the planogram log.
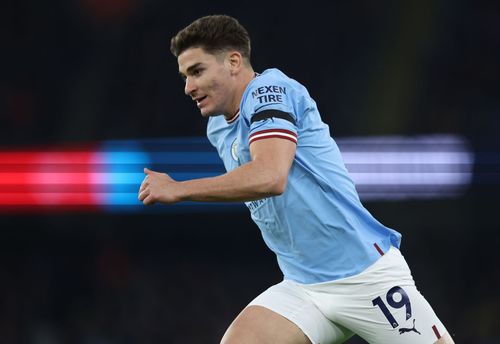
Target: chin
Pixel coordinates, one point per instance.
(208, 113)
(205, 114)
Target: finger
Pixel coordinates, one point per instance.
(148, 171)
(144, 184)
(143, 194)
(149, 200)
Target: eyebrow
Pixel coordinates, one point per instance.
(190, 68)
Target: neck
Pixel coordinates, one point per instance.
(247, 74)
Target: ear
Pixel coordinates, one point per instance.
(235, 61)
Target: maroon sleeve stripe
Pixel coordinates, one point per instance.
(273, 133)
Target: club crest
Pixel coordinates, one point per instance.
(234, 150)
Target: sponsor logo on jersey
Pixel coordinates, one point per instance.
(269, 94)
(253, 205)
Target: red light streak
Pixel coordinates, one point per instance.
(41, 179)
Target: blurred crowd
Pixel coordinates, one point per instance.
(94, 70)
(94, 283)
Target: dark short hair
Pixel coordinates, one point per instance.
(214, 34)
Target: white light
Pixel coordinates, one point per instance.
(410, 157)
(412, 179)
(398, 167)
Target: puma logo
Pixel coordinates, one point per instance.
(403, 330)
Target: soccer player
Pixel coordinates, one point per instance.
(343, 271)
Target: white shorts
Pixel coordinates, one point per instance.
(381, 305)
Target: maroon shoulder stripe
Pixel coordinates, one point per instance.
(379, 250)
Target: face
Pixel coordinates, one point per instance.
(208, 81)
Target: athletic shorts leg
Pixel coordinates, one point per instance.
(381, 304)
(289, 300)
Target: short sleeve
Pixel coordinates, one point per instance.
(269, 109)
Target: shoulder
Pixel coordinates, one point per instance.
(272, 90)
(269, 77)
(273, 82)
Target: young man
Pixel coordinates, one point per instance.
(343, 272)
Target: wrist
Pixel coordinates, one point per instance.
(181, 192)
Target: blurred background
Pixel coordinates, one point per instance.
(84, 72)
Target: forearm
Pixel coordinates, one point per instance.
(246, 183)
(264, 176)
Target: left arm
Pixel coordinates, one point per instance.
(265, 175)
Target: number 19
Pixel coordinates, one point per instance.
(405, 301)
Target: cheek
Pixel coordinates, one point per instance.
(214, 86)
(217, 92)
(217, 84)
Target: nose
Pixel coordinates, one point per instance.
(189, 86)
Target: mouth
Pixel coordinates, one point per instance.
(200, 100)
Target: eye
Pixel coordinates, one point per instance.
(197, 72)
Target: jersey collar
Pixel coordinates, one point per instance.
(234, 118)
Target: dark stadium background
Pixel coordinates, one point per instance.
(95, 70)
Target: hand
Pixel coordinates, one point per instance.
(158, 187)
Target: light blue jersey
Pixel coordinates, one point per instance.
(318, 228)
